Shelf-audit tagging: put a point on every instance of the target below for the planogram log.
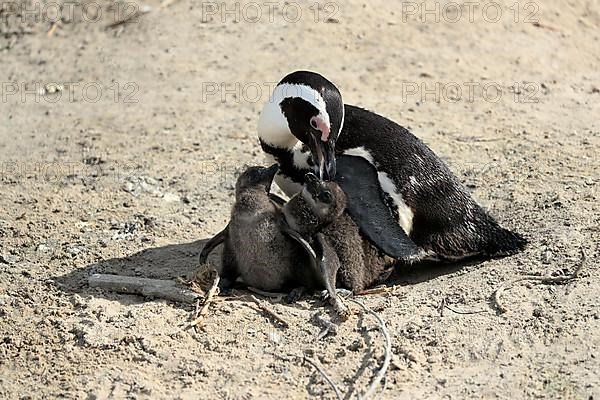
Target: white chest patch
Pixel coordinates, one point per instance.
(405, 214)
(287, 186)
(360, 152)
(301, 157)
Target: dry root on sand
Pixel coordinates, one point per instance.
(544, 280)
(338, 393)
(370, 390)
(205, 274)
(270, 313)
(387, 351)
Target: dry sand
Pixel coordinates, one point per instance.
(119, 147)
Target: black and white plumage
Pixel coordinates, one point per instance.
(305, 126)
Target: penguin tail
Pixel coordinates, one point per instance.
(504, 242)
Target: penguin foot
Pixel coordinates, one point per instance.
(225, 286)
(341, 309)
(345, 293)
(295, 294)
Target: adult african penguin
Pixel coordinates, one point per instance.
(400, 194)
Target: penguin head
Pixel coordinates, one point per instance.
(326, 198)
(305, 107)
(256, 178)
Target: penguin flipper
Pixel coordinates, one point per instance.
(212, 243)
(325, 264)
(313, 257)
(285, 228)
(329, 264)
(358, 179)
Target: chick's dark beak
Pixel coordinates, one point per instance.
(272, 170)
(267, 175)
(312, 183)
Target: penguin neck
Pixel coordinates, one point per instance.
(283, 140)
(253, 200)
(275, 136)
(294, 162)
(300, 217)
(277, 140)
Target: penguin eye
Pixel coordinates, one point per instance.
(326, 197)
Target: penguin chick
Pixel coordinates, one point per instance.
(318, 212)
(256, 249)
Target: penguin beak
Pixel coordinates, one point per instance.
(330, 168)
(323, 153)
(271, 171)
(267, 174)
(322, 147)
(312, 183)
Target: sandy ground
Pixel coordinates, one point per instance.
(119, 147)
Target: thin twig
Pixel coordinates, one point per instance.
(270, 312)
(544, 280)
(271, 295)
(129, 18)
(544, 26)
(155, 288)
(378, 290)
(214, 289)
(388, 351)
(444, 305)
(194, 287)
(199, 315)
(197, 309)
(338, 394)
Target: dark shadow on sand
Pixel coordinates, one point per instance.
(181, 260)
(166, 262)
(427, 270)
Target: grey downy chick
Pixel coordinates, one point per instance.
(318, 214)
(256, 248)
